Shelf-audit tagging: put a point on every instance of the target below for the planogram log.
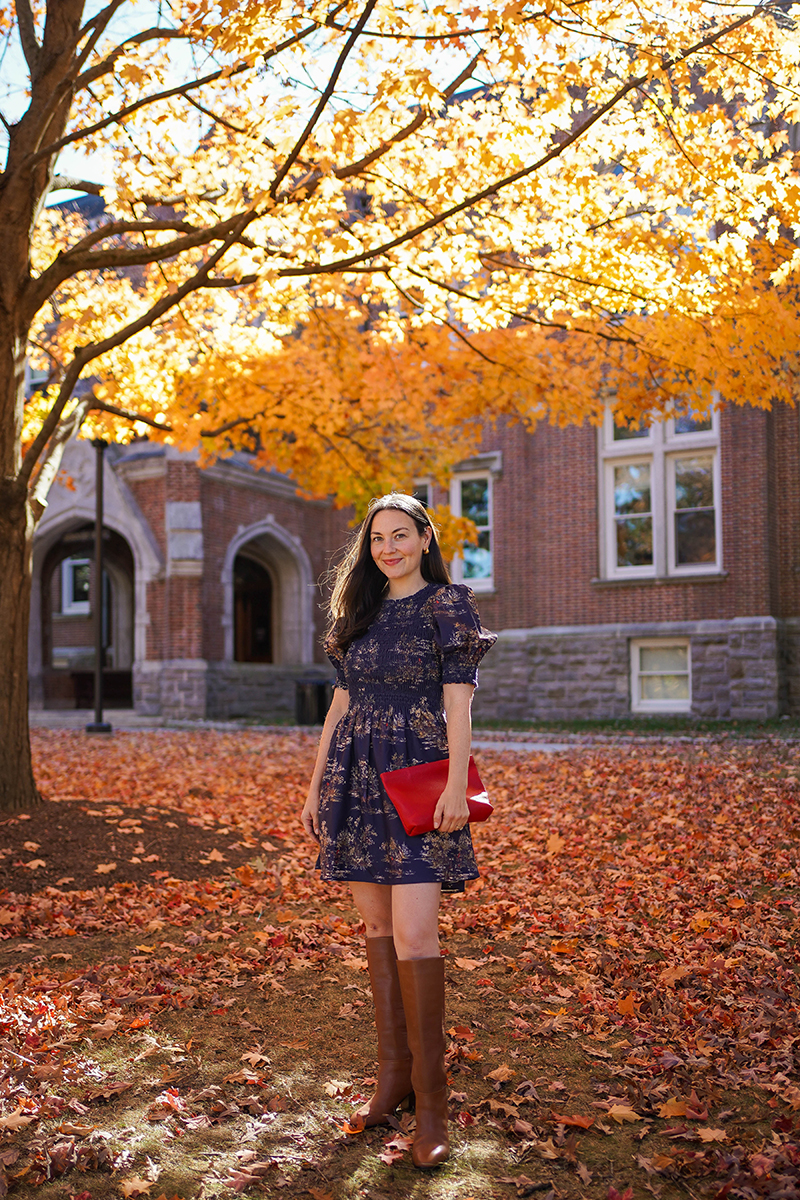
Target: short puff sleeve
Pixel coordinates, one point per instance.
(336, 656)
(459, 634)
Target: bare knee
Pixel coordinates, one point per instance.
(417, 944)
(378, 926)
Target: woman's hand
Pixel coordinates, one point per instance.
(451, 812)
(310, 814)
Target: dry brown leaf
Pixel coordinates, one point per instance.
(707, 1134)
(16, 1120)
(135, 1186)
(502, 1073)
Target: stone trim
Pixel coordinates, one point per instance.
(239, 475)
(656, 580)
(491, 462)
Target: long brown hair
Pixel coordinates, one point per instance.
(359, 585)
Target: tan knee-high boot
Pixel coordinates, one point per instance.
(422, 985)
(394, 1056)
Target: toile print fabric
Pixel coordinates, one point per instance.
(394, 676)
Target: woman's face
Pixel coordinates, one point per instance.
(396, 544)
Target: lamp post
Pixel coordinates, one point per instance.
(98, 725)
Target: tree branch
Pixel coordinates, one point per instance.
(88, 353)
(80, 259)
(211, 433)
(525, 317)
(493, 188)
(27, 35)
(107, 64)
(51, 460)
(98, 25)
(123, 113)
(62, 182)
(215, 117)
(54, 47)
(101, 406)
(330, 87)
(412, 127)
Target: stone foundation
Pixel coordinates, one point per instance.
(192, 689)
(257, 691)
(174, 689)
(789, 659)
(745, 669)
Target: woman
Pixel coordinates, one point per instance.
(405, 642)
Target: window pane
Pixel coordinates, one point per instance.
(664, 658)
(694, 482)
(79, 574)
(422, 492)
(686, 423)
(632, 489)
(665, 687)
(475, 500)
(635, 542)
(695, 538)
(478, 559)
(623, 433)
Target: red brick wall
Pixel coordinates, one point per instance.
(784, 510)
(546, 530)
(226, 508)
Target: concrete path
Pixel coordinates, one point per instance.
(125, 720)
(483, 743)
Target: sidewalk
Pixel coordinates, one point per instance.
(125, 720)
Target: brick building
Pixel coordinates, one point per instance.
(649, 570)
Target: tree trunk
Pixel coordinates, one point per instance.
(17, 786)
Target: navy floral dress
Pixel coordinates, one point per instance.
(394, 675)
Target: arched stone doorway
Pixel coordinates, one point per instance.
(253, 615)
(67, 621)
(276, 558)
(268, 586)
(66, 532)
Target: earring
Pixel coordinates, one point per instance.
(426, 550)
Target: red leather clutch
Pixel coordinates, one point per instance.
(415, 792)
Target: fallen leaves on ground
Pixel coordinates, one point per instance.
(623, 978)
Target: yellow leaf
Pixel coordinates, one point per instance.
(673, 1108)
(621, 1112)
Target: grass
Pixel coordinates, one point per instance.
(656, 726)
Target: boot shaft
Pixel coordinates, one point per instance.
(422, 988)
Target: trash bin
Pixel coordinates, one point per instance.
(313, 697)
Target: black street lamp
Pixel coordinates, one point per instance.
(98, 725)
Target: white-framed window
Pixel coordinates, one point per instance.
(660, 498)
(661, 675)
(75, 586)
(471, 496)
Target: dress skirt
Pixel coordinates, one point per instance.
(394, 676)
